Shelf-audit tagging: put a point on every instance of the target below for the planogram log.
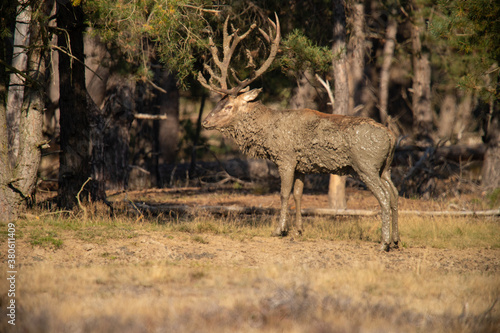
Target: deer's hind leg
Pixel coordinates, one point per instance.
(381, 191)
(386, 179)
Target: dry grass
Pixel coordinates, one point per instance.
(225, 274)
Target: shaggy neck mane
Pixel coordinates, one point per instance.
(248, 130)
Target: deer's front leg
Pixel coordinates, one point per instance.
(287, 177)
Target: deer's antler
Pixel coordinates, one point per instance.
(218, 81)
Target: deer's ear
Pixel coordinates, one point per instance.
(251, 95)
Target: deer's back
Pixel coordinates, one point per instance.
(324, 143)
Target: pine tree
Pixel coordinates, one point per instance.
(471, 29)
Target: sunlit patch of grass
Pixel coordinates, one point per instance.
(438, 232)
(342, 228)
(451, 232)
(52, 229)
(230, 226)
(45, 238)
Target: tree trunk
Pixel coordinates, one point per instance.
(168, 129)
(118, 109)
(385, 71)
(77, 113)
(464, 116)
(491, 169)
(341, 85)
(304, 94)
(18, 177)
(8, 202)
(143, 150)
(447, 115)
(356, 62)
(421, 100)
(336, 194)
(98, 61)
(16, 84)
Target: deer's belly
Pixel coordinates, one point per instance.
(323, 164)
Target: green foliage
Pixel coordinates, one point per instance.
(470, 29)
(142, 29)
(300, 53)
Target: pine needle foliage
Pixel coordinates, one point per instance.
(140, 30)
(471, 29)
(301, 53)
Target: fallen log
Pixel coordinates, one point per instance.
(250, 210)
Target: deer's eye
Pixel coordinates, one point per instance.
(228, 108)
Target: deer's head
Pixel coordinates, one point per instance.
(235, 92)
(228, 108)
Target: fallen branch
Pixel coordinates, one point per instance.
(78, 198)
(243, 210)
(150, 116)
(491, 212)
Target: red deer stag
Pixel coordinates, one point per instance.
(300, 141)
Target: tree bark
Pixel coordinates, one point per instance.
(356, 58)
(77, 114)
(336, 193)
(168, 104)
(18, 177)
(341, 85)
(385, 71)
(491, 127)
(421, 100)
(304, 94)
(168, 129)
(16, 84)
(118, 109)
(447, 115)
(8, 205)
(464, 116)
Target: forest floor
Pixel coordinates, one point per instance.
(203, 273)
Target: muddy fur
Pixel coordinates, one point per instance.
(306, 141)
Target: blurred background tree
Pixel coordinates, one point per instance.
(426, 68)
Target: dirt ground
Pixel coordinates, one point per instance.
(162, 280)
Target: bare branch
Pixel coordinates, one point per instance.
(150, 116)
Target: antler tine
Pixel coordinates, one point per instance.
(229, 44)
(269, 60)
(235, 77)
(251, 62)
(266, 36)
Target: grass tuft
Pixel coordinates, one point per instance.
(45, 238)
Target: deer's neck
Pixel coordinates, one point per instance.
(249, 130)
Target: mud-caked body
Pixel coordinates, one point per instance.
(298, 141)
(306, 141)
